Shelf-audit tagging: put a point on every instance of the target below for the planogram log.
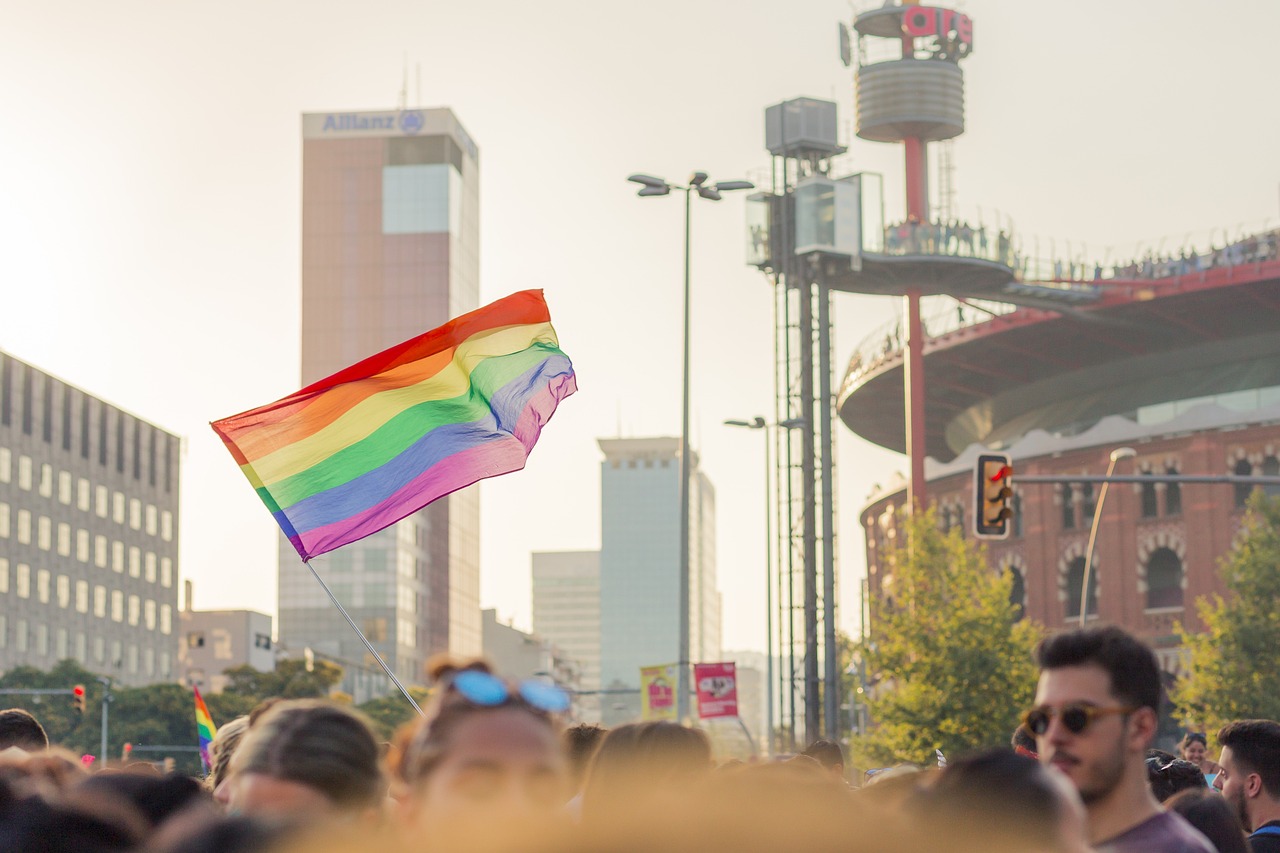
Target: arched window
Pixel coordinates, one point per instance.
(1164, 579)
(1075, 577)
(1087, 504)
(1150, 505)
(1018, 594)
(1068, 507)
(1243, 469)
(1172, 494)
(1271, 468)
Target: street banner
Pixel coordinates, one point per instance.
(658, 685)
(717, 686)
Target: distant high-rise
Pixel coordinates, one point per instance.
(640, 566)
(566, 611)
(390, 249)
(88, 531)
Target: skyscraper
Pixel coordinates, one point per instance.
(566, 611)
(390, 249)
(640, 566)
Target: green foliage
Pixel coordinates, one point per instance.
(951, 669)
(392, 711)
(155, 715)
(1231, 675)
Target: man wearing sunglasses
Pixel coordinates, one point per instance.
(1249, 779)
(1094, 717)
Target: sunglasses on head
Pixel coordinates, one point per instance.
(1075, 718)
(489, 691)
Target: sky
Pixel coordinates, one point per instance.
(150, 206)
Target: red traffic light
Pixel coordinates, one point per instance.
(78, 691)
(77, 698)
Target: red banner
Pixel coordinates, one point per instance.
(717, 686)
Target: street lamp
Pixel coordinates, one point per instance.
(1116, 455)
(761, 424)
(651, 186)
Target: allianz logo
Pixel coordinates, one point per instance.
(409, 122)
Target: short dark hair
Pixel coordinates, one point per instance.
(1256, 745)
(1209, 812)
(19, 728)
(826, 753)
(580, 743)
(1131, 665)
(1169, 774)
(993, 800)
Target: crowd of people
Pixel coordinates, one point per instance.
(489, 767)
(964, 240)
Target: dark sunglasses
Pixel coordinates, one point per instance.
(489, 691)
(1075, 718)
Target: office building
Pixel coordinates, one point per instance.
(640, 566)
(88, 531)
(390, 249)
(566, 611)
(213, 641)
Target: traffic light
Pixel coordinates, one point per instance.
(77, 698)
(993, 480)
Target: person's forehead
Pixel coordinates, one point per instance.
(508, 735)
(1227, 759)
(1086, 683)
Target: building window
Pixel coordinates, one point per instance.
(117, 556)
(117, 605)
(82, 546)
(100, 551)
(151, 523)
(4, 521)
(166, 572)
(102, 501)
(1164, 579)
(1018, 594)
(6, 465)
(1150, 504)
(4, 631)
(99, 649)
(166, 526)
(117, 507)
(64, 591)
(20, 635)
(1075, 578)
(149, 614)
(1068, 506)
(135, 514)
(22, 581)
(222, 644)
(1243, 490)
(166, 619)
(24, 527)
(149, 567)
(44, 533)
(262, 641)
(100, 602)
(195, 640)
(64, 487)
(60, 644)
(1172, 494)
(42, 586)
(82, 494)
(80, 650)
(24, 473)
(46, 481)
(42, 639)
(82, 596)
(1087, 504)
(64, 539)
(135, 562)
(117, 658)
(1271, 468)
(135, 609)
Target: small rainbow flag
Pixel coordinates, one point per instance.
(206, 731)
(356, 452)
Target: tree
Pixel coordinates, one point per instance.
(951, 669)
(1230, 674)
(291, 679)
(392, 711)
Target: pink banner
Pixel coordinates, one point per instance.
(717, 686)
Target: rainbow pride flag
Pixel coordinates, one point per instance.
(205, 729)
(351, 454)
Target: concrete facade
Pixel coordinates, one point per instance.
(213, 641)
(566, 610)
(88, 531)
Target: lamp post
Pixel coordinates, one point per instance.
(1116, 455)
(651, 186)
(761, 424)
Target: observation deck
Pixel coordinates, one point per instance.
(1066, 353)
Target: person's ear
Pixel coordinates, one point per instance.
(1142, 727)
(1252, 785)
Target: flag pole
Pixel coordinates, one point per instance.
(368, 645)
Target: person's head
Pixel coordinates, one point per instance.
(1250, 774)
(580, 745)
(829, 755)
(1095, 711)
(638, 761)
(1193, 747)
(223, 747)
(1213, 816)
(484, 748)
(19, 728)
(1001, 801)
(1168, 775)
(1023, 742)
(306, 759)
